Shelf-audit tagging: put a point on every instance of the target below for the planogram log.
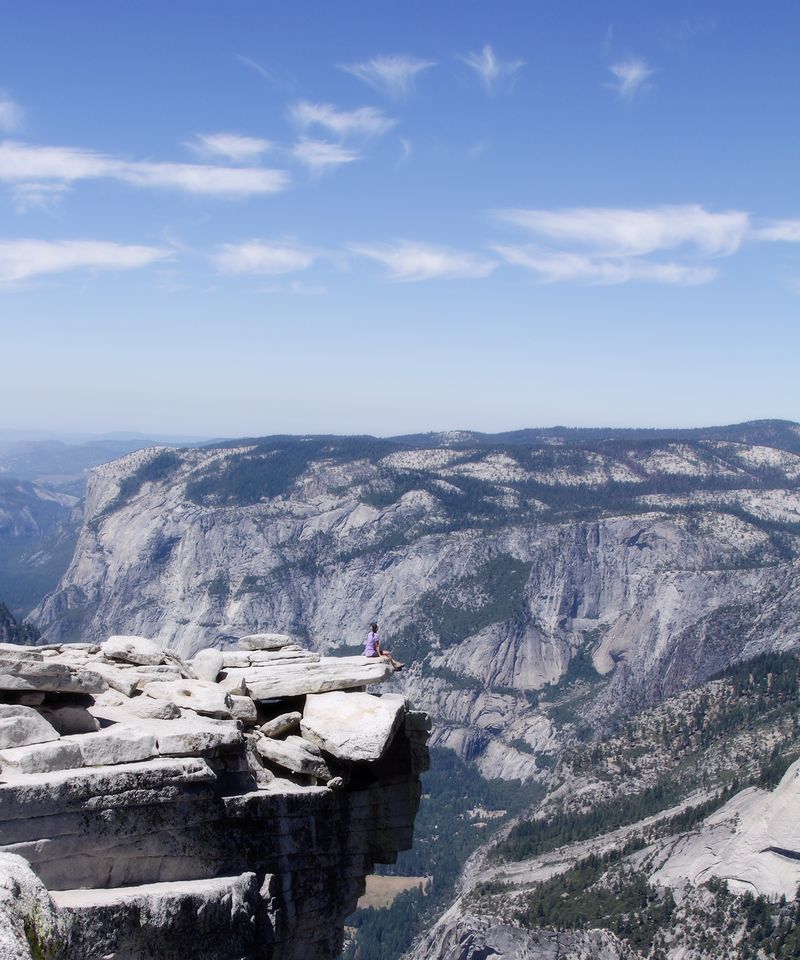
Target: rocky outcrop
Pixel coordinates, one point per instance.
(199, 833)
(752, 843)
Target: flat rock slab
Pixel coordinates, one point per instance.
(137, 650)
(21, 726)
(294, 754)
(329, 673)
(41, 758)
(47, 675)
(265, 641)
(246, 658)
(213, 919)
(200, 696)
(352, 726)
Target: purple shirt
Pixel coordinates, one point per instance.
(371, 645)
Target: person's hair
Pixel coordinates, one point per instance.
(373, 624)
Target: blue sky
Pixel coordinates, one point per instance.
(379, 217)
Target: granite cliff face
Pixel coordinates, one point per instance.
(228, 807)
(497, 567)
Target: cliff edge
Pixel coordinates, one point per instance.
(229, 807)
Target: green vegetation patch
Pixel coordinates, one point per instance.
(271, 469)
(159, 468)
(583, 898)
(500, 583)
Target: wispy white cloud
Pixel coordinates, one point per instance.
(21, 162)
(393, 75)
(319, 155)
(38, 196)
(785, 231)
(630, 76)
(231, 146)
(260, 258)
(636, 232)
(409, 261)
(616, 245)
(24, 259)
(255, 66)
(560, 266)
(365, 121)
(490, 68)
(11, 114)
(405, 154)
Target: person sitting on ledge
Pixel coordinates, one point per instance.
(372, 648)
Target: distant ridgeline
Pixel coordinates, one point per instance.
(13, 632)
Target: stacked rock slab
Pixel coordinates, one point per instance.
(187, 820)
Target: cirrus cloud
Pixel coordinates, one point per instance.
(231, 146)
(319, 155)
(630, 76)
(611, 245)
(393, 75)
(260, 258)
(10, 114)
(634, 232)
(490, 68)
(559, 267)
(367, 121)
(23, 259)
(22, 162)
(781, 231)
(410, 262)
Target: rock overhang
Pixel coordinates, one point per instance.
(152, 791)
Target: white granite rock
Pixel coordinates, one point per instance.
(124, 681)
(246, 658)
(244, 710)
(265, 641)
(47, 675)
(117, 744)
(281, 725)
(352, 726)
(295, 754)
(234, 685)
(41, 758)
(26, 912)
(136, 650)
(68, 720)
(752, 842)
(149, 709)
(206, 698)
(194, 736)
(207, 665)
(205, 918)
(20, 726)
(293, 680)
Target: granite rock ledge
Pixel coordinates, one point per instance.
(151, 806)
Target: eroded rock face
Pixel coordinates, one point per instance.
(192, 835)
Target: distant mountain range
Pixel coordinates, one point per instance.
(549, 589)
